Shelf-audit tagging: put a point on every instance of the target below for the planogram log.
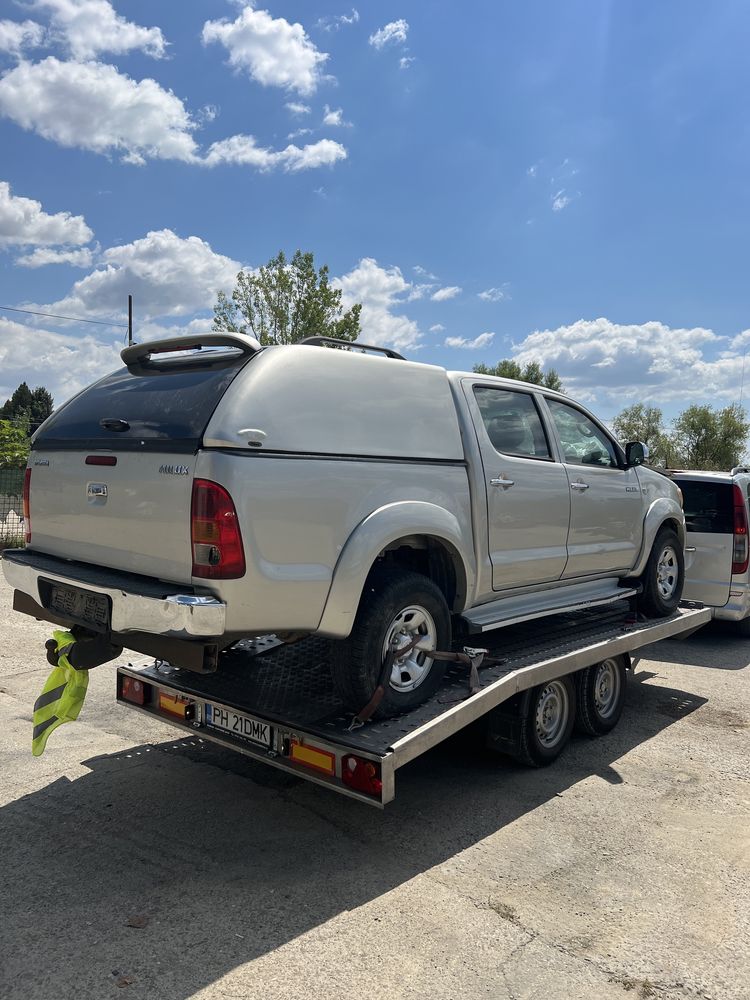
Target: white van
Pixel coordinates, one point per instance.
(716, 547)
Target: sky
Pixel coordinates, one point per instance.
(553, 180)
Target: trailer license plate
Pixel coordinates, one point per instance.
(238, 724)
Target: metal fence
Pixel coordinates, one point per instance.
(11, 507)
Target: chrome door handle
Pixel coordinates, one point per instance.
(690, 548)
(579, 486)
(505, 483)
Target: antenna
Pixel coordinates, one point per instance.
(130, 320)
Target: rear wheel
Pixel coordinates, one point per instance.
(547, 722)
(664, 576)
(601, 696)
(398, 606)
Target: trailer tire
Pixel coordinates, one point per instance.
(600, 691)
(392, 603)
(547, 722)
(664, 576)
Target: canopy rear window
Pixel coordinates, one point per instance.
(709, 507)
(165, 410)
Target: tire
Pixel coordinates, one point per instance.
(664, 576)
(600, 691)
(391, 605)
(547, 722)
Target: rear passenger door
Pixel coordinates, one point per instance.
(528, 501)
(606, 503)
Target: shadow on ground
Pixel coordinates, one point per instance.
(717, 646)
(225, 860)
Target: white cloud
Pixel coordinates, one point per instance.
(15, 36)
(494, 294)
(167, 276)
(272, 51)
(295, 108)
(443, 294)
(437, 328)
(419, 292)
(88, 27)
(23, 223)
(560, 200)
(63, 362)
(333, 23)
(334, 117)
(299, 132)
(618, 364)
(405, 62)
(92, 106)
(380, 290)
(243, 150)
(424, 273)
(483, 340)
(43, 256)
(394, 31)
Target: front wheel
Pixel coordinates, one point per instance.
(664, 576)
(397, 607)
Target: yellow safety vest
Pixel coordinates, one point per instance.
(62, 697)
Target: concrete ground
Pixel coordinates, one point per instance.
(140, 865)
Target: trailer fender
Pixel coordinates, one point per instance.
(663, 510)
(380, 529)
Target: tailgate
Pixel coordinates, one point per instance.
(112, 470)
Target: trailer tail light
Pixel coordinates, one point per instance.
(313, 757)
(740, 551)
(176, 706)
(27, 505)
(134, 690)
(215, 533)
(364, 775)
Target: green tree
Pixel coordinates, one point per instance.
(531, 372)
(645, 423)
(14, 444)
(286, 301)
(32, 406)
(709, 439)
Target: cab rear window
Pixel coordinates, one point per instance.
(149, 411)
(709, 507)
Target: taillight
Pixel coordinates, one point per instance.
(134, 690)
(27, 505)
(356, 772)
(215, 533)
(740, 551)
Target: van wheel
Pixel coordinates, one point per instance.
(601, 696)
(547, 722)
(664, 576)
(396, 605)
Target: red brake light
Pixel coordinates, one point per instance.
(101, 460)
(364, 775)
(215, 533)
(740, 552)
(27, 505)
(134, 690)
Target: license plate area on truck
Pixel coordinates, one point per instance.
(79, 605)
(227, 720)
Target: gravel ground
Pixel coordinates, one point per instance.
(143, 866)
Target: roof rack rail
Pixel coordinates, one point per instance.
(353, 343)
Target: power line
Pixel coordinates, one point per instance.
(73, 319)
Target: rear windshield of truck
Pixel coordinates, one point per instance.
(150, 411)
(709, 507)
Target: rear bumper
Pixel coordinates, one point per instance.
(737, 607)
(138, 604)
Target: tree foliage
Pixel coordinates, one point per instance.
(14, 444)
(645, 423)
(286, 301)
(531, 372)
(32, 406)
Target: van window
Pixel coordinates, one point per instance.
(709, 507)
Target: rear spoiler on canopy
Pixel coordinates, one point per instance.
(140, 357)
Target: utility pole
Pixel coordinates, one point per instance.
(130, 320)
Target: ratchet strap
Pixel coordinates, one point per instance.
(62, 697)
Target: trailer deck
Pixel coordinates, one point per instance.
(276, 702)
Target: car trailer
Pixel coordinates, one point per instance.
(275, 702)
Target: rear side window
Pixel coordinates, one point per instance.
(709, 507)
(150, 411)
(512, 422)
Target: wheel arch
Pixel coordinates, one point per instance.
(417, 535)
(662, 513)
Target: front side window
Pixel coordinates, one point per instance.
(512, 422)
(583, 443)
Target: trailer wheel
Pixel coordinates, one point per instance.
(600, 691)
(396, 604)
(664, 576)
(547, 722)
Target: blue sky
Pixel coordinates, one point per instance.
(560, 181)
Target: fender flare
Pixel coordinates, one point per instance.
(377, 531)
(659, 512)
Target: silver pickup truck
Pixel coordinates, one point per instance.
(212, 490)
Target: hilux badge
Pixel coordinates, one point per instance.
(174, 470)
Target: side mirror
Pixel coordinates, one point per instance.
(636, 453)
